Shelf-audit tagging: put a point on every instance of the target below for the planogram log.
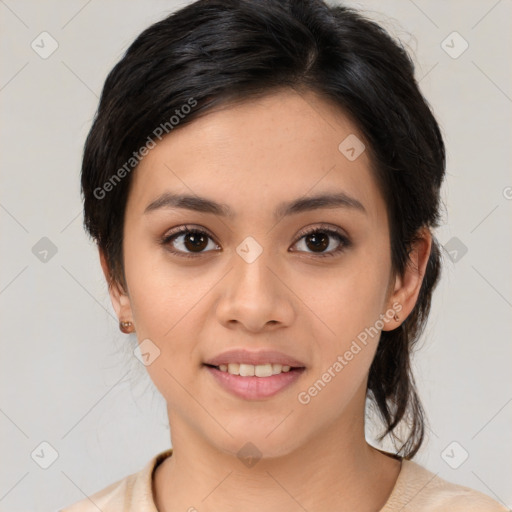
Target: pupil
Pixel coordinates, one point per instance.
(195, 241)
(319, 241)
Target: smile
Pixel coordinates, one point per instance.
(251, 370)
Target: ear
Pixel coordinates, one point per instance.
(407, 287)
(119, 297)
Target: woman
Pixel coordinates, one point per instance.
(262, 180)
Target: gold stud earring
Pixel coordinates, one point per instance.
(396, 317)
(126, 327)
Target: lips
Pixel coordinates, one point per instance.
(254, 375)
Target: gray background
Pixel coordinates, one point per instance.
(67, 375)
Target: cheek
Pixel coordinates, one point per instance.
(349, 304)
(348, 300)
(345, 346)
(165, 303)
(170, 306)
(162, 294)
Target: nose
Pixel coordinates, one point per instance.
(254, 296)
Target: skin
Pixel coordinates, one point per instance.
(252, 156)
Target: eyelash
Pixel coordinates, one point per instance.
(344, 241)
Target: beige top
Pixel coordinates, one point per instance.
(416, 489)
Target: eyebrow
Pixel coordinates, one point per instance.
(300, 205)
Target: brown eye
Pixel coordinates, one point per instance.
(189, 242)
(318, 240)
(195, 242)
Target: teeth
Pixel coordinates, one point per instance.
(258, 370)
(246, 370)
(263, 370)
(234, 368)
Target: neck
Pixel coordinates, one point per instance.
(335, 470)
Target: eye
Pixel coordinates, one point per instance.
(190, 242)
(188, 239)
(318, 239)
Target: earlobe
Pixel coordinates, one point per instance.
(408, 285)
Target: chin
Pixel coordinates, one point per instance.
(251, 442)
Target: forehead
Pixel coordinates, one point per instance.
(259, 153)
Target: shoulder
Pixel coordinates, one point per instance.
(421, 490)
(131, 493)
(110, 499)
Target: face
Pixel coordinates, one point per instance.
(300, 285)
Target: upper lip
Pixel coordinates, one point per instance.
(244, 356)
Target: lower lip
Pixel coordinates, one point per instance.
(255, 388)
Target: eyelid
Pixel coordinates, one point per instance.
(183, 229)
(320, 227)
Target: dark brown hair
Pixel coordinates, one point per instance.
(214, 52)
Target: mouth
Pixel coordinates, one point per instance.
(254, 382)
(254, 374)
